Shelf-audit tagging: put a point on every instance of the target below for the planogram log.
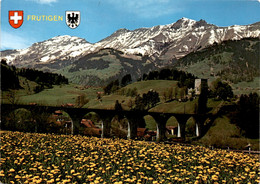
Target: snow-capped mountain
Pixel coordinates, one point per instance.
(57, 48)
(175, 40)
(163, 42)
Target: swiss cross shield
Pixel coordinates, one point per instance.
(16, 18)
(73, 19)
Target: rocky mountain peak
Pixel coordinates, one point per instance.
(163, 42)
(201, 23)
(183, 23)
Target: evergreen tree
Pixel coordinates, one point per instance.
(111, 87)
(164, 74)
(222, 89)
(145, 76)
(248, 114)
(9, 77)
(127, 79)
(139, 105)
(118, 106)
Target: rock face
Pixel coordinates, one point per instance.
(175, 40)
(164, 41)
(162, 44)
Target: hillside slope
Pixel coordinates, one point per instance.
(234, 61)
(99, 68)
(162, 44)
(223, 134)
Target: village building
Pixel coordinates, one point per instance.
(90, 128)
(141, 132)
(200, 84)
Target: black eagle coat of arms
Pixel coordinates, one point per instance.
(73, 19)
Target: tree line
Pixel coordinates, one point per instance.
(247, 115)
(9, 77)
(41, 77)
(221, 90)
(44, 79)
(184, 79)
(141, 102)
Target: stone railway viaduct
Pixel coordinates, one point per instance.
(106, 115)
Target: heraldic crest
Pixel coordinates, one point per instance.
(73, 19)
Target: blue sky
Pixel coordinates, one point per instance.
(100, 18)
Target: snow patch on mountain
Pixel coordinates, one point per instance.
(56, 48)
(169, 41)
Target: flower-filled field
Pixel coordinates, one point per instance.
(49, 158)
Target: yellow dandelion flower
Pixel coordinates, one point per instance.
(50, 181)
(214, 177)
(247, 169)
(12, 170)
(196, 182)
(17, 177)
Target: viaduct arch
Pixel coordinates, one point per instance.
(106, 115)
